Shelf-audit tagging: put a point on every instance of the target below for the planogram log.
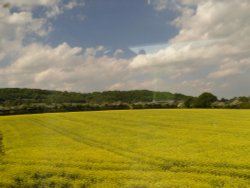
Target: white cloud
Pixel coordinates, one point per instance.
(213, 30)
(71, 4)
(135, 84)
(231, 67)
(210, 52)
(20, 18)
(213, 43)
(214, 20)
(62, 67)
(224, 73)
(195, 87)
(32, 3)
(161, 5)
(28, 5)
(17, 26)
(181, 52)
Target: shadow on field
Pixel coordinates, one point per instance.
(52, 180)
(1, 144)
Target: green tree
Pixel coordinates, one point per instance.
(205, 100)
(190, 102)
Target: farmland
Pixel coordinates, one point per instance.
(132, 148)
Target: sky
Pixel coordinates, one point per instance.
(180, 46)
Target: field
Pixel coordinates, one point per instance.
(133, 148)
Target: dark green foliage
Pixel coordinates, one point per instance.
(21, 101)
(244, 99)
(24, 101)
(245, 105)
(20, 96)
(190, 102)
(25, 96)
(16, 96)
(205, 100)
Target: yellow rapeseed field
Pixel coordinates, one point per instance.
(133, 148)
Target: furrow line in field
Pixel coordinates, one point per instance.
(160, 119)
(48, 160)
(82, 166)
(185, 163)
(97, 144)
(130, 129)
(130, 124)
(167, 165)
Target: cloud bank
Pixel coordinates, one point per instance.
(212, 44)
(209, 53)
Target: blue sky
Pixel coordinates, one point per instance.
(113, 24)
(184, 46)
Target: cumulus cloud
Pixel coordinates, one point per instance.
(62, 67)
(39, 65)
(231, 67)
(195, 86)
(18, 23)
(209, 53)
(14, 28)
(21, 13)
(52, 7)
(189, 51)
(210, 31)
(135, 84)
(161, 4)
(213, 36)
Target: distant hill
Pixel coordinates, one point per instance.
(21, 96)
(23, 101)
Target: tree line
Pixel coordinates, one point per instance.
(22, 101)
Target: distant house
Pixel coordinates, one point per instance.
(218, 104)
(169, 102)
